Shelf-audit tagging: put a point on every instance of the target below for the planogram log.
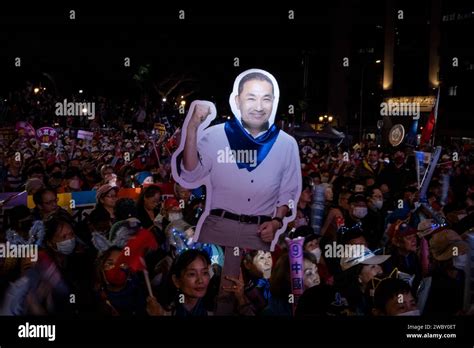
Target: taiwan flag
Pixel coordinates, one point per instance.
(430, 124)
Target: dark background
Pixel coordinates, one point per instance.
(87, 53)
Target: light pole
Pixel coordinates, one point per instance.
(361, 94)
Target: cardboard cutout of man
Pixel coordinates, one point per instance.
(251, 170)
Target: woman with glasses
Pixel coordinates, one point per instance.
(106, 197)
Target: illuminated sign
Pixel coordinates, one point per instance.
(426, 102)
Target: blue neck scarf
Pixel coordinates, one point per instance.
(264, 286)
(239, 139)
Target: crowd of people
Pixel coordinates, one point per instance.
(371, 199)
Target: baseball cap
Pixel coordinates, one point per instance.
(356, 198)
(171, 203)
(402, 230)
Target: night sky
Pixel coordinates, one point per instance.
(87, 53)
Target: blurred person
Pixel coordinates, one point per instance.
(256, 270)
(148, 205)
(119, 291)
(304, 203)
(33, 185)
(105, 170)
(371, 166)
(72, 181)
(311, 245)
(22, 230)
(13, 180)
(404, 250)
(393, 297)
(46, 203)
(64, 267)
(280, 284)
(357, 273)
(450, 259)
(374, 222)
(182, 193)
(106, 198)
(329, 228)
(397, 175)
(191, 278)
(125, 208)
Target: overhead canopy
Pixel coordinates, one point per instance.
(327, 134)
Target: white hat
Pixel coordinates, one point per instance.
(367, 258)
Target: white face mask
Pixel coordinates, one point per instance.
(67, 246)
(174, 216)
(359, 212)
(460, 261)
(378, 204)
(317, 253)
(414, 313)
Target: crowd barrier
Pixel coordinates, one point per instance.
(77, 203)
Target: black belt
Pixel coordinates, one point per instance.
(249, 219)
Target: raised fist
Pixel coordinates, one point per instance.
(200, 114)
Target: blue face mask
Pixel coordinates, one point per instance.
(66, 247)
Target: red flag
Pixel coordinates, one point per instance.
(134, 252)
(430, 124)
(428, 130)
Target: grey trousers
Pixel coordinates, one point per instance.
(233, 236)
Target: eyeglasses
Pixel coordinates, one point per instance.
(111, 196)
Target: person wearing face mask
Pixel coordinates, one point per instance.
(449, 253)
(375, 220)
(55, 177)
(71, 182)
(118, 291)
(393, 297)
(357, 210)
(311, 245)
(171, 212)
(70, 267)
